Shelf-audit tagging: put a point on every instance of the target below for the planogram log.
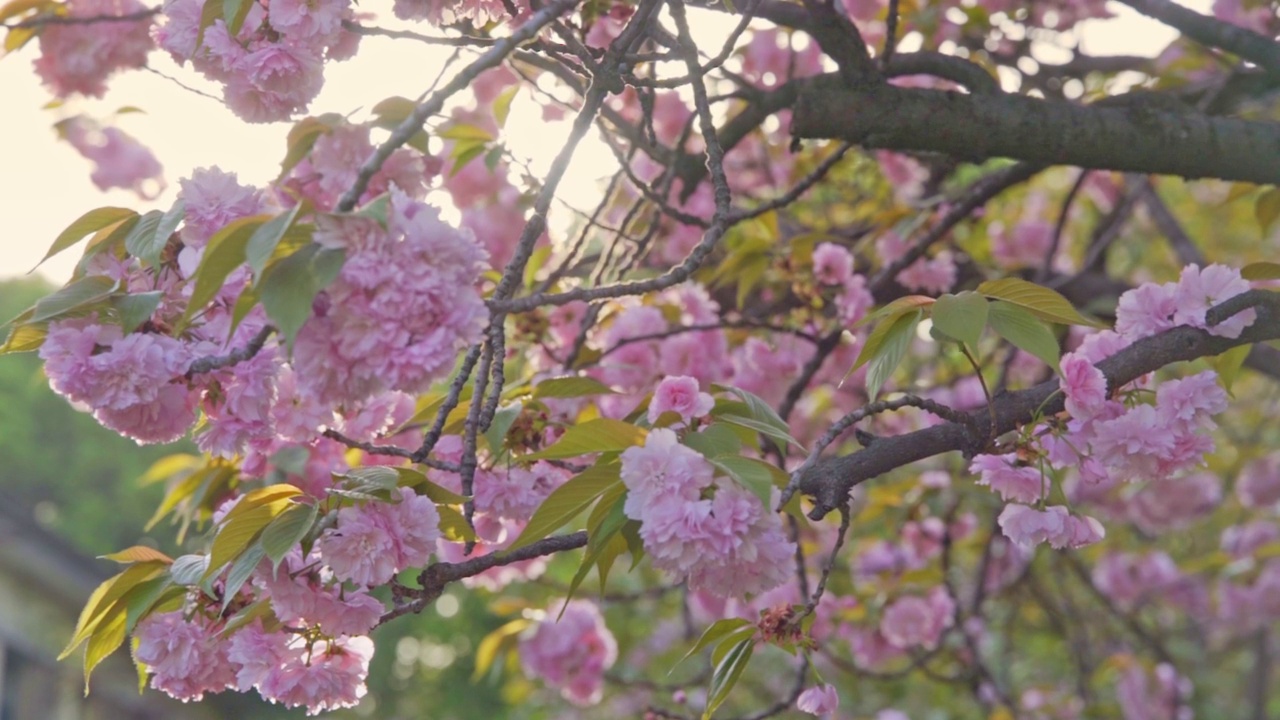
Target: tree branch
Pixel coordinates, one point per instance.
(829, 482)
(1139, 138)
(1257, 49)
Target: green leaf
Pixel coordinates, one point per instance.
(87, 223)
(25, 338)
(568, 501)
(494, 643)
(141, 241)
(136, 309)
(289, 287)
(897, 308)
(893, 347)
(302, 137)
(246, 615)
(76, 296)
(108, 240)
(962, 316)
(603, 525)
(1267, 208)
(234, 13)
(570, 387)
(727, 672)
(1229, 363)
(104, 641)
(464, 132)
(223, 254)
(146, 595)
(502, 105)
(714, 632)
(286, 531)
(593, 436)
(1261, 271)
(169, 223)
(188, 569)
(453, 525)
(240, 571)
(1046, 304)
(262, 244)
(761, 410)
(714, 441)
(238, 532)
(755, 475)
(105, 597)
(1025, 332)
(496, 435)
(137, 554)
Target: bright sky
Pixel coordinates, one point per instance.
(44, 183)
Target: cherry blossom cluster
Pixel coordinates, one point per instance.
(711, 530)
(1112, 437)
(569, 648)
(270, 67)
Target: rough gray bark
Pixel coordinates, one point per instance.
(1139, 138)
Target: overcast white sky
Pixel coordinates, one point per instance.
(44, 183)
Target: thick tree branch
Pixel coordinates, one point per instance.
(829, 482)
(1140, 138)
(1257, 49)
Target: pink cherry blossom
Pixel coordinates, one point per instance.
(186, 658)
(818, 700)
(119, 160)
(79, 57)
(211, 198)
(680, 395)
(571, 651)
(914, 621)
(1027, 526)
(832, 264)
(328, 677)
(1146, 310)
(1259, 483)
(376, 540)
(1023, 484)
(1084, 386)
(1198, 290)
